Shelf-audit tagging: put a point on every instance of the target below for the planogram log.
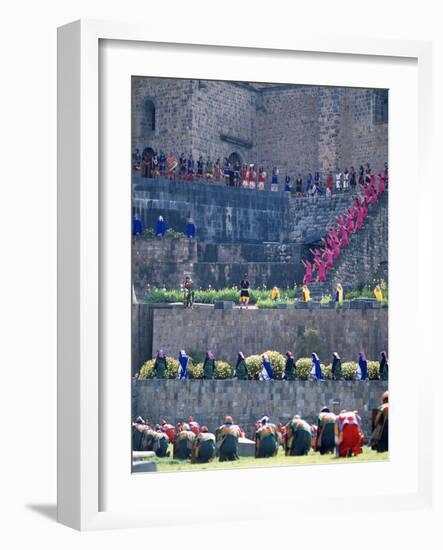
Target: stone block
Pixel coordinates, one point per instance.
(246, 447)
(143, 466)
(224, 305)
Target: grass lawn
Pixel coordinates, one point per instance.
(170, 465)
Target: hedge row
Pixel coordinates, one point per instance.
(224, 370)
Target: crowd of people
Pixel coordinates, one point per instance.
(240, 371)
(249, 175)
(341, 434)
(338, 236)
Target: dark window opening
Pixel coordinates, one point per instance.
(150, 115)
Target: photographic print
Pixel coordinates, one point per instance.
(259, 274)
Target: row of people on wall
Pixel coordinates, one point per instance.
(250, 175)
(339, 294)
(160, 227)
(341, 434)
(240, 371)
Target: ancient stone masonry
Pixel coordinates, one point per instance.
(260, 232)
(226, 332)
(210, 400)
(298, 128)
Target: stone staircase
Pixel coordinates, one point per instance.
(364, 259)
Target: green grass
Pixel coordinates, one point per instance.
(171, 465)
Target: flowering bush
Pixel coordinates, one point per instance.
(195, 371)
(147, 370)
(373, 370)
(349, 370)
(223, 370)
(254, 365)
(303, 367)
(327, 371)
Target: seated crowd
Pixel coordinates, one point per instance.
(341, 434)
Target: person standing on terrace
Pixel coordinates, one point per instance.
(217, 171)
(182, 167)
(191, 168)
(274, 181)
(261, 178)
(298, 186)
(252, 175)
(209, 171)
(200, 165)
(353, 179)
(190, 229)
(244, 291)
(329, 185)
(346, 180)
(160, 227)
(338, 180)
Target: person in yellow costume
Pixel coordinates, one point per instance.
(378, 294)
(305, 294)
(275, 294)
(338, 293)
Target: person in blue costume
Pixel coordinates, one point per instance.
(137, 226)
(183, 359)
(309, 183)
(266, 373)
(363, 364)
(190, 229)
(191, 168)
(160, 227)
(316, 367)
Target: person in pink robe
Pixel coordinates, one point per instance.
(344, 241)
(381, 183)
(321, 277)
(308, 278)
(328, 256)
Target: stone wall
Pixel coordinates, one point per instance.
(229, 215)
(210, 400)
(162, 262)
(297, 128)
(173, 99)
(226, 332)
(221, 214)
(287, 130)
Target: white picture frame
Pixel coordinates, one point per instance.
(83, 261)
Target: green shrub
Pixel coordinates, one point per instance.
(327, 371)
(148, 233)
(254, 365)
(303, 367)
(196, 356)
(195, 371)
(373, 370)
(326, 299)
(147, 370)
(223, 370)
(348, 370)
(174, 234)
(209, 296)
